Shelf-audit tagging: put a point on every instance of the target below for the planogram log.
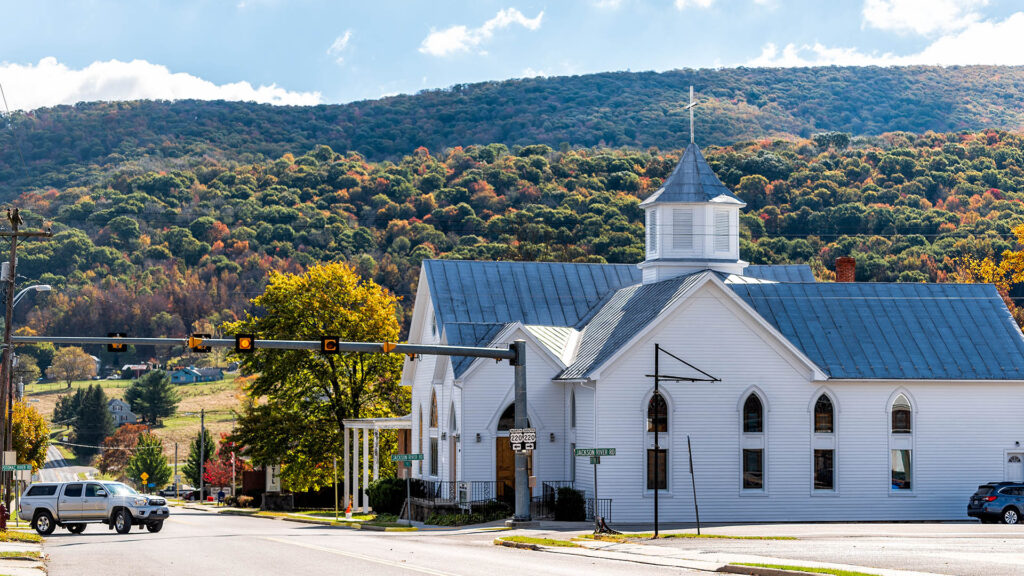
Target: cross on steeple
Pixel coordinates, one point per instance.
(690, 107)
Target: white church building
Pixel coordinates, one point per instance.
(833, 400)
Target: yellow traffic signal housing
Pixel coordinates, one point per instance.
(329, 345)
(117, 347)
(245, 343)
(195, 343)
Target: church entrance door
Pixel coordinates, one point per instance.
(505, 469)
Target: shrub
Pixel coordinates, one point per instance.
(485, 512)
(570, 506)
(388, 494)
(244, 501)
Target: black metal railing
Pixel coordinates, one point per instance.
(604, 509)
(448, 491)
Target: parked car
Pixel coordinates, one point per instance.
(72, 505)
(998, 502)
(182, 491)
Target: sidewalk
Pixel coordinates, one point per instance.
(693, 559)
(27, 566)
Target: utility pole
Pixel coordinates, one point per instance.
(176, 483)
(202, 453)
(6, 393)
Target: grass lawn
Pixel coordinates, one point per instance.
(649, 535)
(541, 541)
(810, 569)
(20, 554)
(17, 536)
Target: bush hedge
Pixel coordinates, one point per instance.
(388, 494)
(570, 506)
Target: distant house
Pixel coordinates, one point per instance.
(192, 374)
(184, 375)
(121, 411)
(99, 364)
(134, 370)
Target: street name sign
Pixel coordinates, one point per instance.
(12, 467)
(522, 439)
(595, 460)
(406, 457)
(595, 452)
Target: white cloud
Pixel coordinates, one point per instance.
(921, 16)
(531, 73)
(339, 45)
(989, 42)
(609, 4)
(684, 4)
(462, 39)
(50, 83)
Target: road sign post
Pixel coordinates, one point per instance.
(595, 459)
(407, 459)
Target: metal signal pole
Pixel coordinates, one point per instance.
(6, 392)
(202, 453)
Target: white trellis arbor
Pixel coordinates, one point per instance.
(362, 431)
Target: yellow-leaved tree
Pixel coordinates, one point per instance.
(298, 399)
(1006, 274)
(31, 435)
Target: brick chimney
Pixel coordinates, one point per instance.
(845, 269)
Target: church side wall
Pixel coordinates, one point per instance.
(960, 437)
(487, 391)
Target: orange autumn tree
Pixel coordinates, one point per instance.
(1006, 274)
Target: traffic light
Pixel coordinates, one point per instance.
(329, 345)
(116, 347)
(195, 343)
(245, 342)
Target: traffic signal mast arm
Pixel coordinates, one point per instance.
(366, 347)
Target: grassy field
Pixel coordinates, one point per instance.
(219, 399)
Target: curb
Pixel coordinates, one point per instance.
(520, 545)
(758, 571)
(324, 523)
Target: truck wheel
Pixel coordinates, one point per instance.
(76, 528)
(155, 527)
(43, 523)
(123, 521)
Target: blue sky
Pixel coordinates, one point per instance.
(313, 51)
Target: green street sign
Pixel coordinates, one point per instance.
(595, 452)
(406, 457)
(595, 460)
(12, 467)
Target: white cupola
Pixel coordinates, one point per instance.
(693, 223)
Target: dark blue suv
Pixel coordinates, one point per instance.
(998, 502)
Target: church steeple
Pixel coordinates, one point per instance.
(692, 222)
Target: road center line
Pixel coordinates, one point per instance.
(361, 557)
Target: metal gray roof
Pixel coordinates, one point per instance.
(628, 312)
(469, 334)
(781, 272)
(554, 338)
(692, 181)
(895, 331)
(541, 293)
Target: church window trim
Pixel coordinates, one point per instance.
(753, 445)
(901, 458)
(722, 230)
(652, 232)
(665, 442)
(682, 229)
(824, 452)
(433, 410)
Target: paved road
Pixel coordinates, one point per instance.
(56, 468)
(199, 542)
(967, 549)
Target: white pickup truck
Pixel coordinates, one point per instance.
(72, 505)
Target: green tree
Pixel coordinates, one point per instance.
(191, 468)
(31, 435)
(27, 370)
(93, 422)
(153, 396)
(67, 407)
(310, 394)
(149, 458)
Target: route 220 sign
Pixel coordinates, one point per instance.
(522, 439)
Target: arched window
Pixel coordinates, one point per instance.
(507, 421)
(753, 415)
(901, 415)
(420, 441)
(823, 415)
(453, 423)
(657, 414)
(572, 409)
(433, 409)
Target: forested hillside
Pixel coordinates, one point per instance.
(77, 145)
(154, 253)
